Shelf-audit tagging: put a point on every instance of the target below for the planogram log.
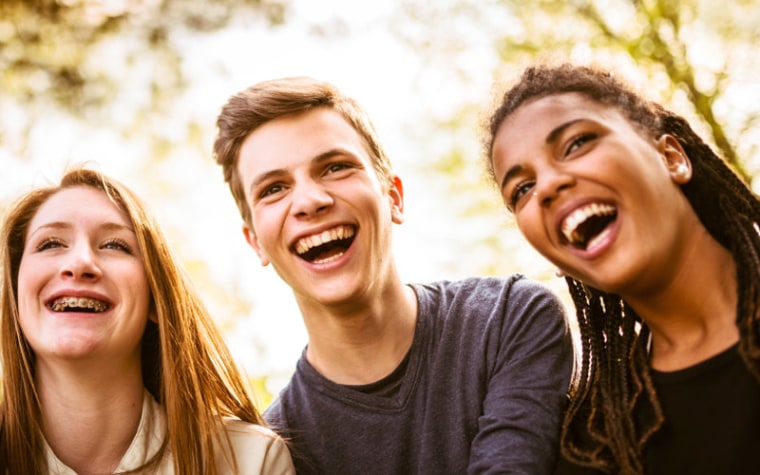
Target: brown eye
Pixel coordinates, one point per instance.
(271, 190)
(579, 141)
(518, 192)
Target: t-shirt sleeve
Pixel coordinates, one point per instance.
(530, 365)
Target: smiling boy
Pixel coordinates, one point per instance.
(448, 377)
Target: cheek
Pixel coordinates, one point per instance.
(267, 219)
(532, 228)
(29, 283)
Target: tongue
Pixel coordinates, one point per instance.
(590, 230)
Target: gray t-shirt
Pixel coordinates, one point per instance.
(480, 391)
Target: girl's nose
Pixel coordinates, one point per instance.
(550, 183)
(80, 263)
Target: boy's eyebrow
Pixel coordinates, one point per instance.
(550, 138)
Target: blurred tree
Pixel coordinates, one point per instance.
(74, 55)
(117, 67)
(696, 56)
(49, 49)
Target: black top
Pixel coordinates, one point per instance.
(712, 421)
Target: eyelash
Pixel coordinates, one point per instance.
(336, 167)
(579, 141)
(121, 245)
(514, 198)
(48, 243)
(55, 242)
(270, 190)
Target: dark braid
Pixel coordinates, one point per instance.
(730, 212)
(613, 380)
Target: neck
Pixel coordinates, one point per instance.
(365, 341)
(90, 415)
(693, 316)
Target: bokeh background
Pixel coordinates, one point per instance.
(134, 86)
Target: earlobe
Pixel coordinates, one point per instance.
(396, 194)
(252, 240)
(675, 159)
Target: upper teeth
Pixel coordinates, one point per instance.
(77, 302)
(580, 215)
(334, 234)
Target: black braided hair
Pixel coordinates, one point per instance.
(613, 379)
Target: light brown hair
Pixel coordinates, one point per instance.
(186, 364)
(266, 101)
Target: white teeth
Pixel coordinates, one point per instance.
(340, 232)
(63, 303)
(580, 215)
(328, 259)
(598, 238)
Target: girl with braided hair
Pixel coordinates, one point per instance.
(659, 242)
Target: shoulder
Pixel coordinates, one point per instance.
(275, 415)
(514, 291)
(257, 449)
(471, 287)
(247, 433)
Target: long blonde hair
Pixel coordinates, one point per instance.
(186, 364)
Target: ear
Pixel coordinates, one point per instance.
(252, 240)
(675, 159)
(396, 194)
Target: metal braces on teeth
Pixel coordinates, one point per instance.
(74, 302)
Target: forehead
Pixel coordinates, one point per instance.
(80, 204)
(299, 137)
(559, 107)
(537, 118)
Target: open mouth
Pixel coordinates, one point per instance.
(78, 304)
(586, 226)
(327, 245)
